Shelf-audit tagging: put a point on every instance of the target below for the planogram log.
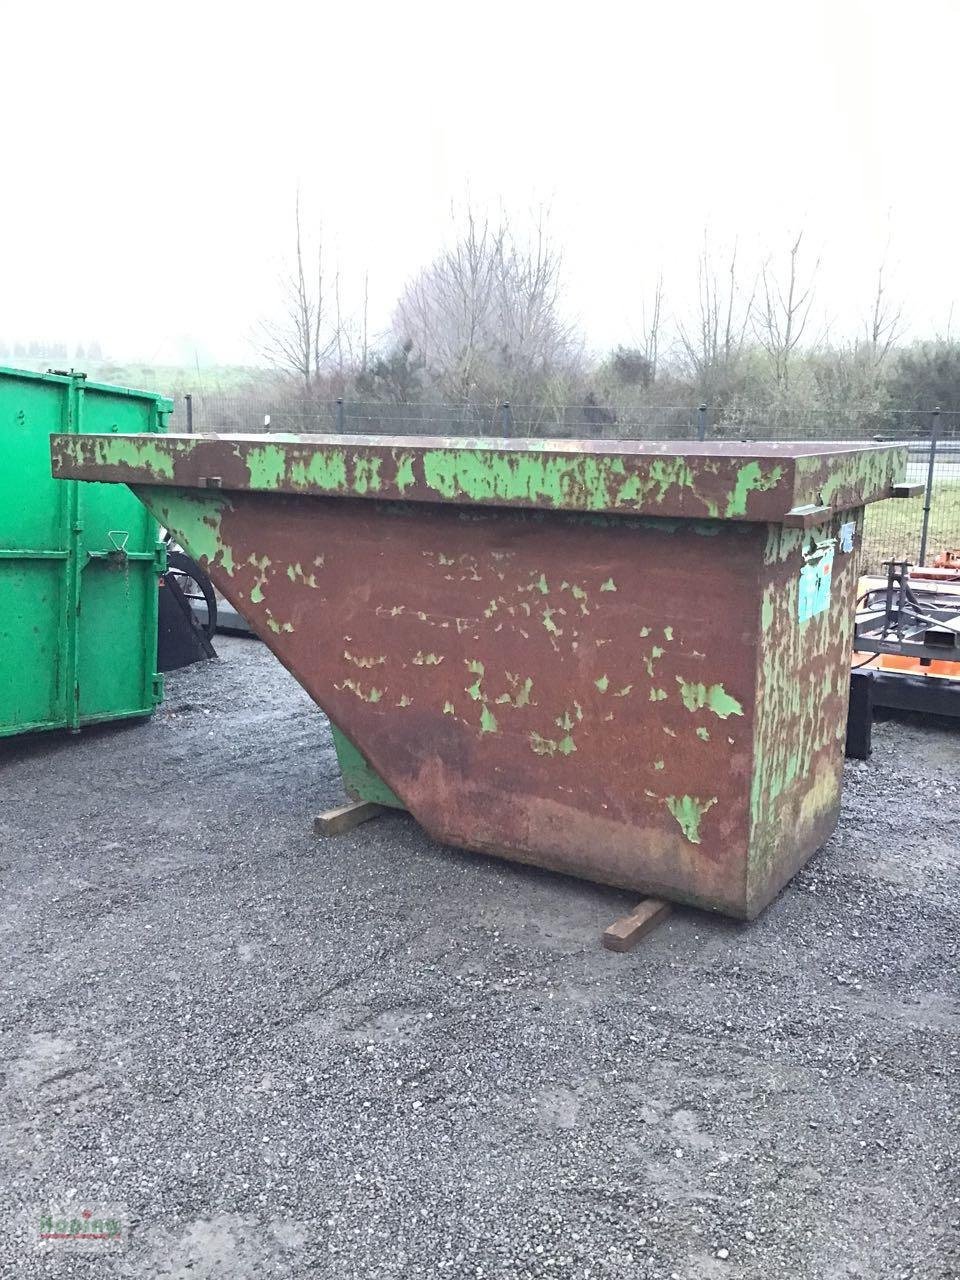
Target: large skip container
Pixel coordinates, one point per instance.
(78, 563)
(627, 661)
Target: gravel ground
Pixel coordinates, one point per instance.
(377, 1057)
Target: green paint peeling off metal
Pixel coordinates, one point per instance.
(405, 476)
(715, 698)
(143, 454)
(688, 810)
(366, 475)
(520, 696)
(488, 721)
(548, 622)
(266, 466)
(483, 475)
(327, 471)
(766, 610)
(602, 683)
(372, 695)
(197, 519)
(609, 585)
(366, 662)
(750, 478)
(475, 668)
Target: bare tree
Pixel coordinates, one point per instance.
(338, 332)
(885, 322)
(364, 328)
(785, 311)
(298, 342)
(651, 329)
(713, 344)
(485, 316)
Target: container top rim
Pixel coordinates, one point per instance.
(775, 450)
(64, 378)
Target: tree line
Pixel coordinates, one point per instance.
(485, 323)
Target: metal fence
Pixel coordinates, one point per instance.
(913, 529)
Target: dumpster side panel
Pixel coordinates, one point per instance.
(574, 691)
(117, 625)
(35, 546)
(803, 686)
(78, 644)
(31, 610)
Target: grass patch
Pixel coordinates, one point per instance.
(892, 529)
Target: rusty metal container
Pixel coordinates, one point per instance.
(626, 661)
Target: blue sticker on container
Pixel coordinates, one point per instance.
(813, 596)
(847, 531)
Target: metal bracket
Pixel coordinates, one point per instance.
(907, 490)
(807, 517)
(120, 547)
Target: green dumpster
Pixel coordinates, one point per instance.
(78, 563)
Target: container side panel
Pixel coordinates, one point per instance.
(572, 691)
(803, 686)
(31, 607)
(116, 663)
(48, 532)
(110, 512)
(32, 503)
(113, 519)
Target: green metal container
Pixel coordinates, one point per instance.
(78, 563)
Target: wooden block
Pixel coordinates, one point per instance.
(625, 933)
(336, 821)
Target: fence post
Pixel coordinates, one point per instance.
(505, 419)
(702, 422)
(340, 415)
(188, 398)
(928, 493)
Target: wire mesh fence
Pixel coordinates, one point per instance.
(893, 530)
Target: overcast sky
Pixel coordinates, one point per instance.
(151, 152)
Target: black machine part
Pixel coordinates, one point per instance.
(182, 636)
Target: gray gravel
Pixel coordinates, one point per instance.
(377, 1057)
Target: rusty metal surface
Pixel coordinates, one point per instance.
(655, 703)
(717, 480)
(531, 687)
